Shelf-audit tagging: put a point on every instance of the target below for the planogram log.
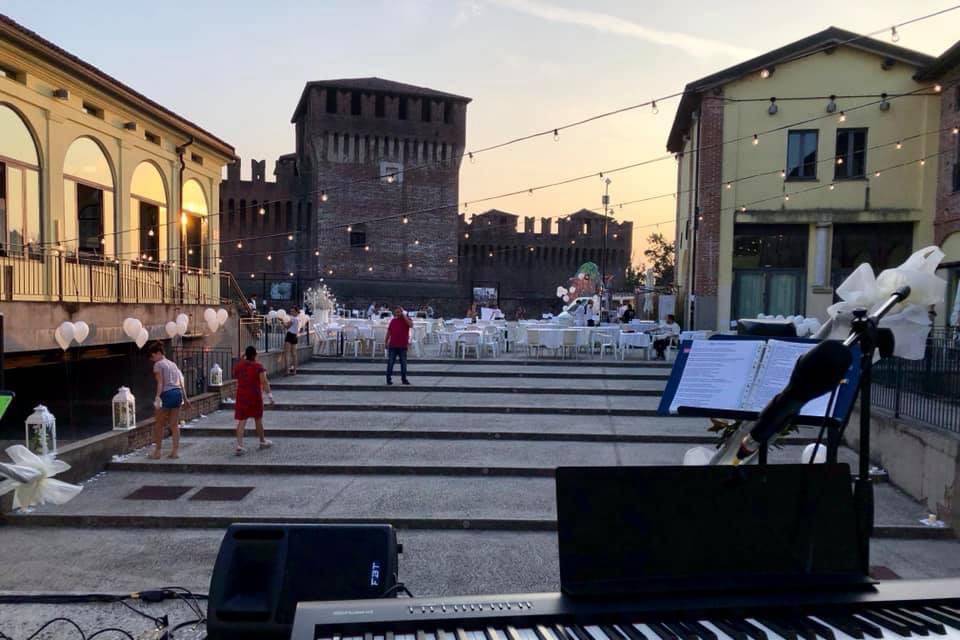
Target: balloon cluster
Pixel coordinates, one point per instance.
(136, 331)
(565, 293)
(67, 332)
(215, 318)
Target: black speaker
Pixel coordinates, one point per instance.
(264, 570)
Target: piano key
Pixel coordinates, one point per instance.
(662, 631)
(940, 616)
(845, 624)
(596, 632)
(632, 631)
(727, 629)
(513, 634)
(544, 633)
(915, 627)
(755, 632)
(613, 633)
(700, 630)
(934, 627)
(821, 629)
(560, 631)
(680, 630)
(799, 624)
(461, 634)
(577, 632)
(885, 623)
(780, 628)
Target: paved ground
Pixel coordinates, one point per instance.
(469, 483)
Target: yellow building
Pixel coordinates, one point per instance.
(93, 174)
(797, 166)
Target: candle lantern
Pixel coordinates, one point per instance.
(124, 410)
(41, 431)
(216, 375)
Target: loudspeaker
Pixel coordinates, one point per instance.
(264, 570)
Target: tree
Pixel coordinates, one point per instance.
(661, 255)
(634, 276)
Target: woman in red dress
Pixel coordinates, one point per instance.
(252, 384)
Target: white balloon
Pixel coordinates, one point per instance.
(272, 315)
(131, 327)
(80, 331)
(213, 324)
(142, 338)
(222, 316)
(183, 319)
(561, 291)
(61, 340)
(572, 290)
(182, 328)
(566, 298)
(808, 451)
(697, 457)
(581, 275)
(209, 314)
(68, 331)
(171, 328)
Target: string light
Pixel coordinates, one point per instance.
(291, 274)
(843, 117)
(263, 211)
(491, 254)
(840, 160)
(409, 265)
(894, 36)
(899, 145)
(349, 228)
(653, 108)
(150, 233)
(190, 252)
(290, 237)
(765, 73)
(253, 275)
(466, 235)
(832, 186)
(406, 219)
(783, 173)
(556, 135)
(955, 130)
(239, 245)
(316, 253)
(756, 140)
(743, 209)
(923, 162)
(937, 88)
(450, 260)
(729, 185)
(269, 257)
(366, 247)
(323, 196)
(876, 174)
(786, 197)
(417, 242)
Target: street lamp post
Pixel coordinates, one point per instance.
(604, 305)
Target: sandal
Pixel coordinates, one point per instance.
(265, 444)
(240, 451)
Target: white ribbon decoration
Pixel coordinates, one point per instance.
(31, 478)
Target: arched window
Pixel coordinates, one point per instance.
(88, 197)
(148, 211)
(194, 223)
(19, 184)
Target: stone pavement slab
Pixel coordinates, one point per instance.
(474, 368)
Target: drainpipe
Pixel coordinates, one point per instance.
(695, 226)
(183, 230)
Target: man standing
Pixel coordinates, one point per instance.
(398, 339)
(253, 305)
(372, 310)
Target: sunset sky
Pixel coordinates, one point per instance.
(237, 68)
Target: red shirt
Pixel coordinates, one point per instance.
(398, 334)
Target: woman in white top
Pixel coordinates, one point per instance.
(170, 396)
(290, 341)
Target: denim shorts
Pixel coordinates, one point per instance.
(171, 399)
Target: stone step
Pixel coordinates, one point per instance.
(510, 362)
(433, 563)
(452, 371)
(441, 384)
(460, 402)
(417, 456)
(408, 502)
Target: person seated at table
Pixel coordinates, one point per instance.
(372, 310)
(628, 314)
(667, 330)
(520, 313)
(472, 312)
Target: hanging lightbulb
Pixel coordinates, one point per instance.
(416, 242)
(743, 209)
(530, 191)
(573, 242)
(531, 249)
(366, 247)
(150, 233)
(832, 186)
(955, 130)
(843, 117)
(787, 197)
(409, 265)
(349, 228)
(756, 140)
(291, 274)
(406, 219)
(143, 257)
(765, 73)
(923, 162)
(491, 254)
(390, 179)
(269, 257)
(470, 155)
(876, 174)
(729, 185)
(189, 252)
(894, 36)
(899, 145)
(450, 260)
(840, 160)
(219, 260)
(556, 135)
(263, 211)
(330, 272)
(783, 173)
(290, 237)
(253, 275)
(654, 108)
(466, 235)
(937, 88)
(239, 245)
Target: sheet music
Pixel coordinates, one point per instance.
(718, 374)
(774, 372)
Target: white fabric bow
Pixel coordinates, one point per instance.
(31, 479)
(909, 320)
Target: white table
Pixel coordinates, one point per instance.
(636, 339)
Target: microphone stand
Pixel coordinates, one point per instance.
(863, 331)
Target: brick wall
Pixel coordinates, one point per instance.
(947, 218)
(710, 176)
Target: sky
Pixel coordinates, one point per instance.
(237, 69)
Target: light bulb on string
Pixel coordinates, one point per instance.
(323, 196)
(366, 247)
(937, 88)
(840, 160)
(783, 173)
(150, 233)
(470, 155)
(653, 108)
(290, 237)
(263, 211)
(743, 209)
(450, 260)
(756, 140)
(406, 219)
(269, 257)
(894, 36)
(253, 275)
(409, 265)
(786, 198)
(466, 235)
(955, 130)
(843, 117)
(349, 228)
(417, 242)
(556, 135)
(291, 274)
(876, 174)
(923, 161)
(729, 186)
(899, 145)
(239, 245)
(316, 253)
(530, 191)
(832, 186)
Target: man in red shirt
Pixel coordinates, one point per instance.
(398, 339)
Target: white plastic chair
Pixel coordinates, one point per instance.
(446, 343)
(533, 342)
(351, 338)
(570, 342)
(379, 341)
(470, 340)
(608, 340)
(491, 340)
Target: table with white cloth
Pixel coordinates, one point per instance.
(636, 339)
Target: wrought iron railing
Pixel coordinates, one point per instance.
(196, 364)
(266, 335)
(927, 390)
(53, 276)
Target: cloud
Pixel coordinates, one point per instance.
(466, 10)
(693, 45)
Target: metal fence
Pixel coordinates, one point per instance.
(196, 364)
(266, 335)
(927, 390)
(61, 277)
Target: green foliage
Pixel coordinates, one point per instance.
(661, 256)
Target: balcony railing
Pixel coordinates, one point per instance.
(59, 277)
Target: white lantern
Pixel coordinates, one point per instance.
(216, 375)
(41, 431)
(124, 410)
